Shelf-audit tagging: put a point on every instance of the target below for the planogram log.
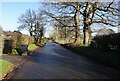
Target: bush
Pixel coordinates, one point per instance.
(19, 50)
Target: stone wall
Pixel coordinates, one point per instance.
(1, 40)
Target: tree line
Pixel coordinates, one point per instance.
(74, 16)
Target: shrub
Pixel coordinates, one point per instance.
(19, 50)
(14, 52)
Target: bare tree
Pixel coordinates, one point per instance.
(34, 23)
(86, 13)
(95, 12)
(27, 21)
(68, 11)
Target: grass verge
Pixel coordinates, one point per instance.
(107, 58)
(5, 67)
(32, 47)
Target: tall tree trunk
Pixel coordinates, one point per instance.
(88, 21)
(86, 31)
(77, 24)
(86, 36)
(31, 33)
(40, 39)
(35, 39)
(31, 29)
(86, 25)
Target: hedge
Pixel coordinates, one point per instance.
(107, 42)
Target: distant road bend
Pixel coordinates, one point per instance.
(55, 62)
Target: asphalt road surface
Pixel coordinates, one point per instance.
(55, 62)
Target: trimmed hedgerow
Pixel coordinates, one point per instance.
(107, 42)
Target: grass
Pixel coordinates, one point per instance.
(32, 47)
(68, 40)
(5, 67)
(61, 41)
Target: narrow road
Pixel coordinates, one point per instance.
(55, 62)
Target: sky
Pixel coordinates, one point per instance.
(11, 11)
